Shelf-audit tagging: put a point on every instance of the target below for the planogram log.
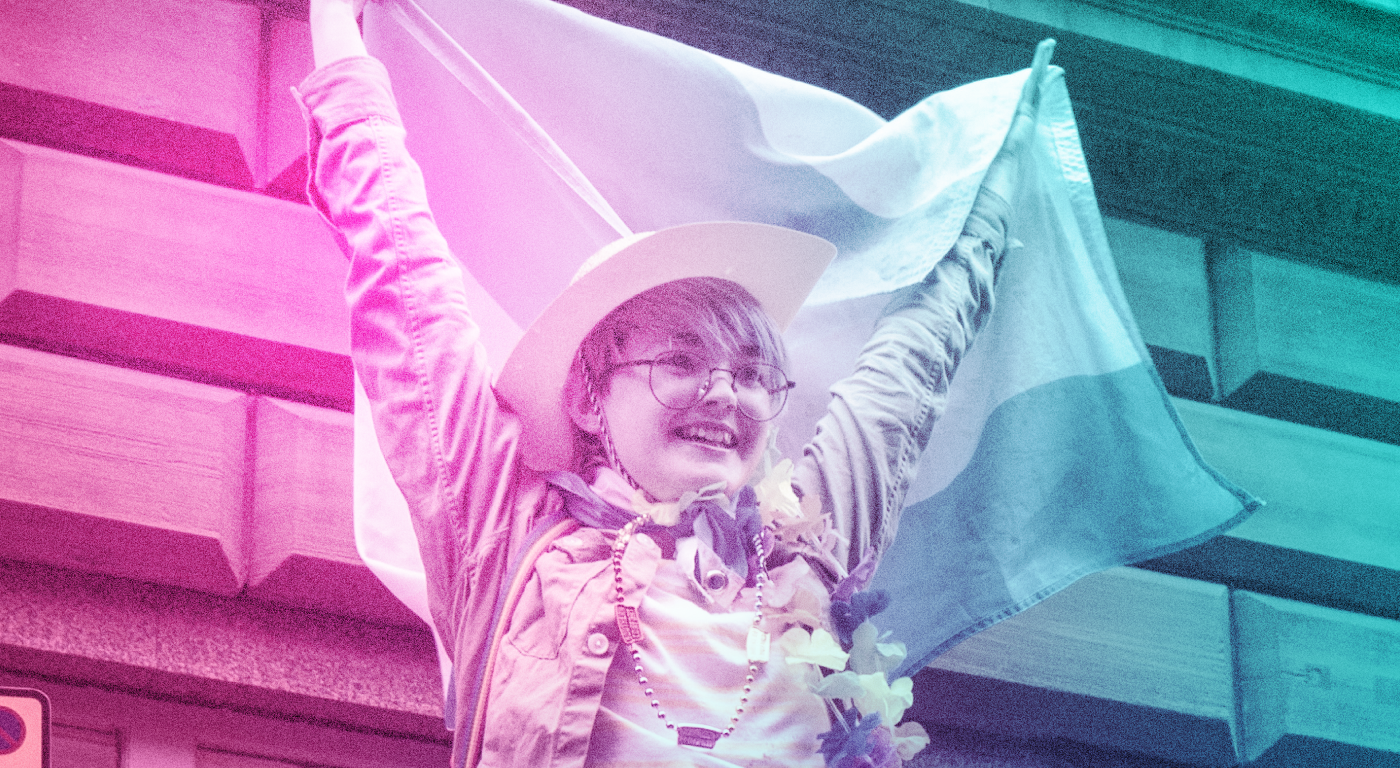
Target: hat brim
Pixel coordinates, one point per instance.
(778, 266)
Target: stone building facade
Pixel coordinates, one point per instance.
(177, 567)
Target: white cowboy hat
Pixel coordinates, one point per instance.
(778, 266)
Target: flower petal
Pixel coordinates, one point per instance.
(889, 701)
(825, 647)
(818, 648)
(864, 658)
(842, 685)
(777, 502)
(891, 655)
(910, 739)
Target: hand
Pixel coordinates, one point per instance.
(356, 7)
(1023, 124)
(335, 34)
(1002, 175)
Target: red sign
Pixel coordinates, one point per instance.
(24, 728)
(12, 731)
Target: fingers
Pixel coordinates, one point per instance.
(1043, 51)
(1001, 176)
(1030, 92)
(334, 33)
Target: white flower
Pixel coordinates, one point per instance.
(818, 648)
(879, 696)
(909, 740)
(869, 656)
(842, 685)
(777, 502)
(793, 595)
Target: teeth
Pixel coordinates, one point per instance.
(709, 435)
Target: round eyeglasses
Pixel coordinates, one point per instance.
(680, 380)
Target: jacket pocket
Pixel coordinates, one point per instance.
(541, 619)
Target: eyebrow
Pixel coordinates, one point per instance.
(693, 340)
(688, 339)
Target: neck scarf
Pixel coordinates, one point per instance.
(729, 532)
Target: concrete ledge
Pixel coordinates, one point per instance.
(121, 472)
(1318, 686)
(150, 244)
(178, 350)
(1180, 670)
(303, 551)
(1125, 659)
(226, 652)
(191, 62)
(100, 727)
(1279, 338)
(1325, 493)
(998, 709)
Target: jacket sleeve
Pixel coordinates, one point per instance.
(448, 444)
(867, 445)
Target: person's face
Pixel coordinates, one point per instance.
(670, 451)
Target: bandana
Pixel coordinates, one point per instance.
(729, 531)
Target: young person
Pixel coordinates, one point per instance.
(600, 566)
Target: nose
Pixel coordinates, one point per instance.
(711, 391)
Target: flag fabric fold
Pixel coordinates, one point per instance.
(1060, 453)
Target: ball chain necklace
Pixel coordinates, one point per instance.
(629, 626)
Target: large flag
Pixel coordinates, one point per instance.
(1060, 453)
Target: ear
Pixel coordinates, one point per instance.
(581, 410)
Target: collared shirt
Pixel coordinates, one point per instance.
(479, 511)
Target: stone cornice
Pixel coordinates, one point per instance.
(1346, 37)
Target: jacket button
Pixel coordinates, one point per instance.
(716, 580)
(598, 644)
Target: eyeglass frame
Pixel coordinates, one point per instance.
(788, 385)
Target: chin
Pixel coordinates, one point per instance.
(733, 478)
(694, 467)
(693, 479)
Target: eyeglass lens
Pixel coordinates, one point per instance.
(680, 380)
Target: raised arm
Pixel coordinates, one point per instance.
(867, 447)
(413, 341)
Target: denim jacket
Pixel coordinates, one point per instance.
(531, 653)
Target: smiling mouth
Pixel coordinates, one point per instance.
(716, 437)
